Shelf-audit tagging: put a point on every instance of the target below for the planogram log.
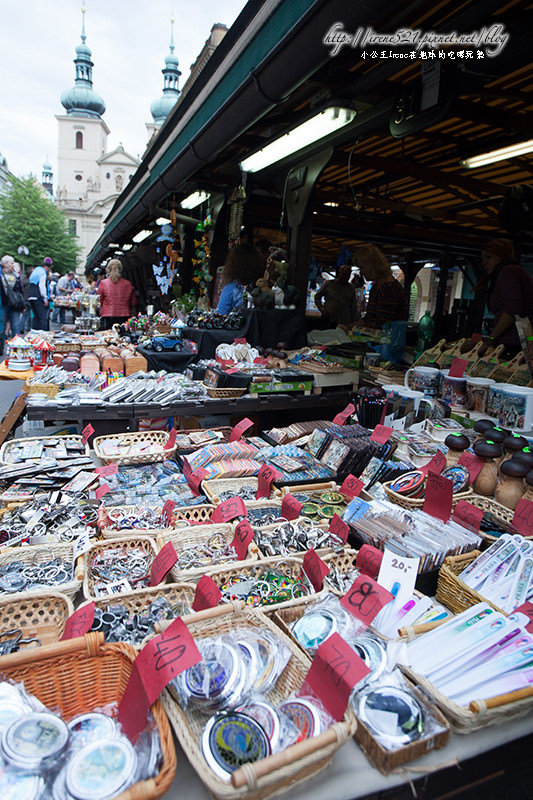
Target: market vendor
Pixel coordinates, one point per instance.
(509, 292)
(242, 267)
(387, 301)
(336, 299)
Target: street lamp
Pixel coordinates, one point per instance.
(23, 251)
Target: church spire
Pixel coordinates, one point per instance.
(82, 100)
(161, 108)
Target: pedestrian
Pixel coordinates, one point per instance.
(52, 291)
(117, 296)
(336, 299)
(65, 285)
(12, 295)
(38, 295)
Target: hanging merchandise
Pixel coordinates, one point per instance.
(236, 204)
(202, 257)
(169, 256)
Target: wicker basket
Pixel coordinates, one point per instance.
(452, 591)
(213, 488)
(418, 502)
(50, 389)
(127, 542)
(225, 430)
(41, 553)
(81, 674)
(193, 535)
(40, 615)
(67, 347)
(196, 514)
(153, 437)
(7, 446)
(225, 394)
(489, 504)
(280, 771)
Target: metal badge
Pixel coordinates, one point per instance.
(267, 717)
(91, 727)
(32, 742)
(17, 785)
(393, 714)
(230, 740)
(304, 715)
(101, 770)
(314, 628)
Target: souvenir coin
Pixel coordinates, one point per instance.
(34, 740)
(408, 483)
(230, 740)
(334, 498)
(267, 717)
(101, 770)
(91, 727)
(459, 476)
(18, 785)
(304, 715)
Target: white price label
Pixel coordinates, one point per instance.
(81, 545)
(398, 574)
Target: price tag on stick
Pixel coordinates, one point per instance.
(171, 441)
(335, 670)
(207, 594)
(162, 564)
(267, 475)
(381, 434)
(86, 433)
(339, 528)
(167, 510)
(79, 623)
(468, 515)
(290, 507)
(240, 428)
(365, 598)
(458, 366)
(164, 657)
(473, 464)
(315, 569)
(439, 493)
(243, 537)
(523, 517)
(351, 486)
(343, 416)
(228, 510)
(369, 560)
(109, 469)
(437, 463)
(101, 491)
(195, 478)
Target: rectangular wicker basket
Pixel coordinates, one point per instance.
(41, 615)
(7, 446)
(81, 674)
(452, 591)
(41, 553)
(145, 543)
(282, 770)
(150, 437)
(213, 488)
(193, 514)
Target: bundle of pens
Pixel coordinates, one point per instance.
(370, 406)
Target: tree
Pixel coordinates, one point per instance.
(29, 217)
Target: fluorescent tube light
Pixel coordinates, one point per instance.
(314, 129)
(162, 221)
(502, 154)
(194, 200)
(141, 236)
(127, 246)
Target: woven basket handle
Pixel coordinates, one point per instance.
(91, 644)
(479, 706)
(143, 790)
(234, 607)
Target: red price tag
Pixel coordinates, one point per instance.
(365, 598)
(523, 517)
(162, 564)
(243, 537)
(476, 337)
(240, 340)
(369, 560)
(261, 361)
(339, 528)
(335, 670)
(290, 507)
(381, 434)
(232, 371)
(79, 623)
(171, 441)
(195, 478)
(265, 478)
(342, 416)
(224, 362)
(457, 369)
(351, 486)
(109, 469)
(437, 463)
(466, 514)
(439, 493)
(239, 429)
(228, 510)
(207, 594)
(315, 569)
(168, 508)
(101, 491)
(527, 609)
(86, 433)
(473, 464)
(164, 657)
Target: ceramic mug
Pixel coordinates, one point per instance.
(425, 379)
(452, 390)
(494, 399)
(516, 410)
(477, 393)
(400, 391)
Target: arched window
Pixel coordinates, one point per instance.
(79, 140)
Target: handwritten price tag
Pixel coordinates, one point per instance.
(335, 670)
(240, 340)
(228, 510)
(466, 514)
(79, 623)
(171, 441)
(523, 517)
(439, 493)
(167, 510)
(351, 486)
(164, 657)
(315, 569)
(369, 560)
(381, 434)
(163, 563)
(527, 609)
(339, 528)
(109, 469)
(457, 369)
(207, 594)
(239, 429)
(343, 416)
(86, 433)
(437, 463)
(398, 574)
(195, 478)
(243, 537)
(365, 598)
(101, 491)
(267, 475)
(473, 464)
(81, 545)
(290, 507)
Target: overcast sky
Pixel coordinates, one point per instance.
(129, 40)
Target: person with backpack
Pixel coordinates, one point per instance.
(12, 293)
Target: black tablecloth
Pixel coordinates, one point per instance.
(168, 360)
